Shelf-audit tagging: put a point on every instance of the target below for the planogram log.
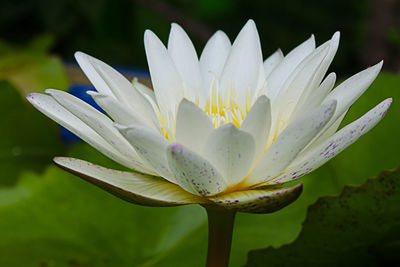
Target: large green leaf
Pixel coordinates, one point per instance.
(30, 68)
(360, 227)
(28, 139)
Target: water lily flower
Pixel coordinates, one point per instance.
(225, 130)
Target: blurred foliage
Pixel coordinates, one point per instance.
(360, 227)
(29, 67)
(73, 223)
(113, 30)
(28, 140)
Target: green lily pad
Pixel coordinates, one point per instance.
(30, 68)
(360, 227)
(28, 140)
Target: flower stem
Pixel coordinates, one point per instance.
(220, 229)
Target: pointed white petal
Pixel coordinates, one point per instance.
(194, 173)
(289, 143)
(259, 200)
(183, 54)
(95, 119)
(280, 74)
(192, 126)
(231, 151)
(133, 187)
(110, 82)
(316, 156)
(118, 111)
(317, 97)
(51, 108)
(241, 70)
(166, 81)
(151, 147)
(143, 89)
(350, 90)
(213, 58)
(272, 61)
(258, 123)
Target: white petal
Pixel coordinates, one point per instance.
(231, 151)
(183, 54)
(350, 90)
(297, 82)
(194, 173)
(192, 126)
(118, 111)
(272, 61)
(280, 74)
(289, 143)
(110, 82)
(213, 58)
(151, 147)
(143, 89)
(96, 120)
(317, 97)
(314, 157)
(241, 70)
(166, 81)
(51, 108)
(258, 123)
(133, 187)
(259, 200)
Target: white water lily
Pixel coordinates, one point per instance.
(226, 129)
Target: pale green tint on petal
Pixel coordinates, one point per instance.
(289, 143)
(110, 82)
(96, 120)
(231, 151)
(184, 55)
(280, 74)
(259, 200)
(315, 156)
(258, 123)
(143, 89)
(133, 187)
(151, 147)
(213, 58)
(194, 173)
(272, 62)
(51, 108)
(167, 83)
(192, 126)
(241, 69)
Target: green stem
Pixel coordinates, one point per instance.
(220, 229)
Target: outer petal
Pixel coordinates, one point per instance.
(272, 61)
(96, 120)
(133, 187)
(316, 156)
(213, 57)
(280, 74)
(350, 90)
(110, 82)
(118, 111)
(183, 54)
(194, 173)
(241, 70)
(289, 143)
(166, 80)
(231, 151)
(151, 147)
(258, 123)
(192, 126)
(259, 200)
(51, 108)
